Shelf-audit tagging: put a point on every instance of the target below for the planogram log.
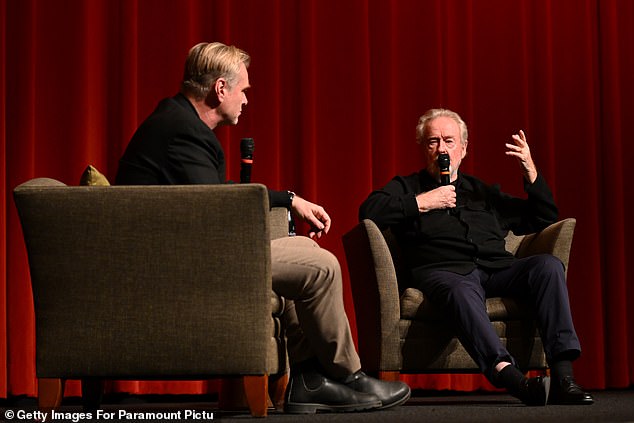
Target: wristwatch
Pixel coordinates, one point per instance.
(291, 195)
(289, 215)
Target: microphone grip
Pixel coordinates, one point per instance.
(245, 170)
(444, 178)
(246, 159)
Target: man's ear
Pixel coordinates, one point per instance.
(220, 88)
(464, 149)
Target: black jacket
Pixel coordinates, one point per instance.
(173, 146)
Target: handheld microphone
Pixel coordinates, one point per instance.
(443, 165)
(246, 159)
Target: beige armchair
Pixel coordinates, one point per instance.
(153, 282)
(400, 332)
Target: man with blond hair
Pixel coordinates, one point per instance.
(176, 145)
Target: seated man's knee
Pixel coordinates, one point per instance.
(548, 264)
(329, 264)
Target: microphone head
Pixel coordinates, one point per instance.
(443, 165)
(443, 161)
(246, 147)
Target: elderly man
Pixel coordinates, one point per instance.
(452, 235)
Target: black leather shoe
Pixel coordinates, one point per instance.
(390, 393)
(533, 391)
(309, 392)
(567, 392)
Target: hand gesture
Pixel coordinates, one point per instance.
(520, 150)
(313, 214)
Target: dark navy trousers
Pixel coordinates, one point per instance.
(539, 280)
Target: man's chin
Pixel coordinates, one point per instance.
(229, 122)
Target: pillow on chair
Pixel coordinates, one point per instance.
(93, 177)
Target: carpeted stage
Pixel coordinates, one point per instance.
(436, 407)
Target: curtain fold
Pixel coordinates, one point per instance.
(617, 86)
(337, 89)
(3, 210)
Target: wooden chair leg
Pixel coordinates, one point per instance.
(389, 376)
(50, 392)
(232, 396)
(277, 389)
(540, 372)
(256, 391)
(92, 393)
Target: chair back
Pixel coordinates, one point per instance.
(147, 281)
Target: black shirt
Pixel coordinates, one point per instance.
(470, 235)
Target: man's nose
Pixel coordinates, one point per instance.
(442, 147)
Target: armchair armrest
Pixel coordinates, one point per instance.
(555, 239)
(278, 217)
(376, 296)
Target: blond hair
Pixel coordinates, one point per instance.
(208, 62)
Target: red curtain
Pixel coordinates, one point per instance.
(337, 90)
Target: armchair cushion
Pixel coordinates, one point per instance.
(92, 177)
(414, 307)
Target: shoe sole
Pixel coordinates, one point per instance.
(312, 408)
(397, 402)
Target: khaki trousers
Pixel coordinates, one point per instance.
(315, 319)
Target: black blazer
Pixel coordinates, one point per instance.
(173, 146)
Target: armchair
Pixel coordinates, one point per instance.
(400, 332)
(153, 282)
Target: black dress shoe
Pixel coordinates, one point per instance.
(390, 393)
(309, 392)
(533, 391)
(567, 392)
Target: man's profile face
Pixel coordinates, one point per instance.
(235, 97)
(442, 135)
